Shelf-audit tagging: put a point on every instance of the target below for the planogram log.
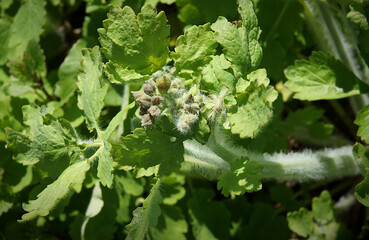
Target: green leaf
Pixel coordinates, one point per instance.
(173, 189)
(145, 149)
(243, 177)
(361, 154)
(4, 39)
(357, 15)
(134, 45)
(91, 86)
(171, 225)
(254, 108)
(27, 25)
(362, 120)
(71, 178)
(47, 141)
(215, 76)
(146, 216)
(322, 208)
(32, 66)
(301, 222)
(362, 192)
(68, 71)
(5, 206)
(129, 184)
(240, 43)
(194, 48)
(105, 166)
(319, 223)
(322, 77)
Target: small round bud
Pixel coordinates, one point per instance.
(146, 120)
(137, 94)
(156, 100)
(154, 111)
(144, 101)
(163, 83)
(149, 88)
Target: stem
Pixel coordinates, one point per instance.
(125, 102)
(327, 164)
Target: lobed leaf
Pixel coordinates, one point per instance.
(244, 176)
(47, 141)
(28, 25)
(361, 154)
(254, 108)
(32, 67)
(71, 178)
(194, 48)
(91, 86)
(134, 45)
(145, 149)
(146, 216)
(362, 120)
(322, 77)
(172, 224)
(240, 43)
(301, 222)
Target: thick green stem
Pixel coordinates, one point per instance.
(327, 164)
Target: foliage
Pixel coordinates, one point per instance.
(184, 119)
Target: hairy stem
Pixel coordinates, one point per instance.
(327, 164)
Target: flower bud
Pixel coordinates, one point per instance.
(149, 88)
(163, 83)
(144, 101)
(154, 111)
(146, 120)
(137, 94)
(156, 100)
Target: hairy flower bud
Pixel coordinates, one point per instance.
(163, 83)
(144, 101)
(156, 100)
(149, 88)
(146, 120)
(154, 111)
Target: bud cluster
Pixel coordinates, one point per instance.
(164, 92)
(149, 103)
